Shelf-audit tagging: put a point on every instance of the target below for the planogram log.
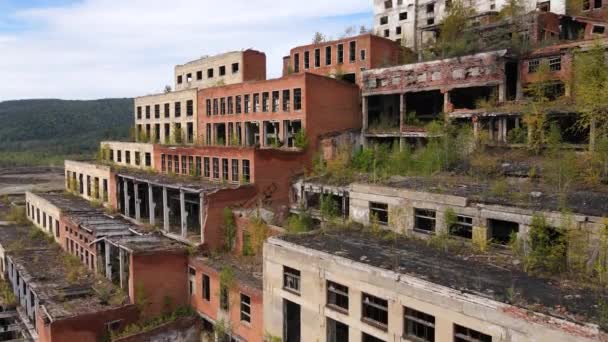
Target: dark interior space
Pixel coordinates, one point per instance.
(500, 231)
(468, 98)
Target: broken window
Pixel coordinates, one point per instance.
(297, 99)
(340, 53)
(247, 103)
(430, 21)
(374, 310)
(210, 73)
(403, 16)
(463, 227)
(206, 284)
(286, 103)
(223, 106)
(383, 20)
(501, 231)
(388, 4)
(167, 132)
(363, 56)
(128, 157)
(291, 279)
(139, 112)
(190, 165)
(317, 58)
(230, 105)
(235, 68)
(352, 52)
(337, 296)
(169, 163)
(245, 308)
(398, 30)
(256, 103)
(167, 109)
(157, 111)
(544, 6)
(148, 159)
(328, 55)
(225, 168)
(215, 107)
(463, 334)
(216, 168)
(378, 212)
(246, 176)
(555, 63)
(430, 8)
(191, 277)
(369, 338)
(599, 29)
(199, 75)
(137, 158)
(418, 325)
(156, 133)
(533, 65)
(237, 102)
(179, 79)
(206, 169)
(147, 112)
(222, 70)
(424, 220)
(224, 297)
(176, 164)
(387, 33)
(470, 97)
(597, 3)
(208, 107)
(336, 331)
(178, 109)
(275, 101)
(296, 62)
(265, 98)
(189, 107)
(235, 170)
(306, 59)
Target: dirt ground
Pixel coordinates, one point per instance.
(18, 180)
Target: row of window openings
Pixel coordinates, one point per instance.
(245, 303)
(232, 133)
(191, 165)
(167, 110)
(137, 154)
(210, 73)
(374, 310)
(384, 20)
(34, 214)
(225, 105)
(155, 135)
(587, 4)
(555, 64)
(80, 252)
(425, 221)
(328, 56)
(93, 187)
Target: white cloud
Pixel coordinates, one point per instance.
(108, 48)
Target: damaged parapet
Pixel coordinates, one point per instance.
(350, 282)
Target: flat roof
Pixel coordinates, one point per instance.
(68, 202)
(459, 272)
(101, 224)
(141, 244)
(247, 270)
(180, 182)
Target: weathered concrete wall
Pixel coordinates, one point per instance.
(132, 148)
(39, 208)
(94, 171)
(181, 330)
(449, 307)
(166, 119)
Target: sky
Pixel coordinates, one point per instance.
(89, 49)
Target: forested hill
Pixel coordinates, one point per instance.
(43, 131)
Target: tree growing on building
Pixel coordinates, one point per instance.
(318, 38)
(454, 39)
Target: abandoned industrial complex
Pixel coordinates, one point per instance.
(389, 185)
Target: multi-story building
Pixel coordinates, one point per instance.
(344, 58)
(351, 285)
(403, 21)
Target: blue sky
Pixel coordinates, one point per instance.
(90, 49)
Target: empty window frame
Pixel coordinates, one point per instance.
(378, 212)
(188, 78)
(337, 296)
(208, 107)
(206, 290)
(383, 20)
(247, 103)
(147, 112)
(209, 73)
(363, 53)
(306, 59)
(224, 297)
(275, 101)
(215, 107)
(297, 99)
(223, 106)
(199, 75)
(230, 105)
(256, 103)
(176, 164)
(246, 174)
(178, 109)
(139, 112)
(352, 51)
(533, 65)
(374, 310)
(369, 338)
(128, 157)
(190, 165)
(225, 168)
(157, 111)
(328, 55)
(265, 100)
(464, 334)
(340, 53)
(599, 29)
(317, 58)
(235, 170)
(237, 104)
(462, 227)
(336, 331)
(424, 220)
(167, 110)
(555, 63)
(189, 107)
(418, 326)
(291, 279)
(222, 70)
(137, 158)
(296, 62)
(206, 166)
(245, 308)
(235, 68)
(216, 168)
(179, 79)
(169, 163)
(403, 16)
(501, 231)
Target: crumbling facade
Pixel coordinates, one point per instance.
(91, 181)
(129, 154)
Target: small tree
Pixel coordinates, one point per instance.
(318, 38)
(168, 89)
(454, 39)
(229, 226)
(177, 134)
(546, 248)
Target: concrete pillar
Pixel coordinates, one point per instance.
(502, 92)
(500, 128)
(344, 208)
(491, 129)
(365, 124)
(165, 210)
(446, 102)
(203, 216)
(126, 196)
(402, 110)
(121, 266)
(151, 205)
(184, 214)
(476, 129)
(137, 202)
(108, 262)
(505, 123)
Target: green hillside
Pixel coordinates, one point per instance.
(46, 131)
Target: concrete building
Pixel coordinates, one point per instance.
(167, 118)
(93, 182)
(404, 21)
(343, 58)
(271, 113)
(130, 154)
(348, 285)
(226, 68)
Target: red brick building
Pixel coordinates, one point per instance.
(344, 58)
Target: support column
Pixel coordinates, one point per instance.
(402, 113)
(165, 210)
(108, 262)
(365, 112)
(447, 105)
(151, 205)
(491, 129)
(137, 202)
(502, 92)
(203, 216)
(505, 124)
(475, 127)
(344, 205)
(126, 197)
(184, 214)
(121, 265)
